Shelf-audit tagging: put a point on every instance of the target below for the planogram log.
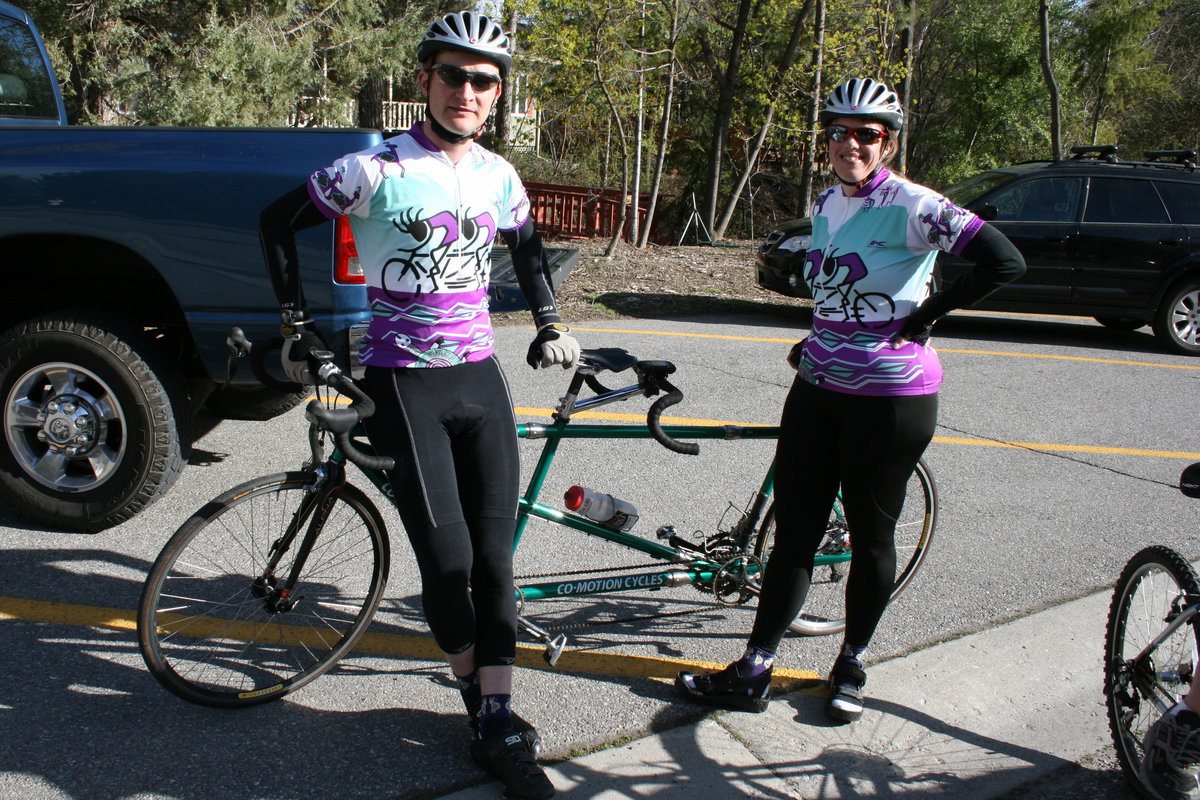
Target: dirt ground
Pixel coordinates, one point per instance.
(663, 281)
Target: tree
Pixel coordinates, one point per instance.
(1116, 69)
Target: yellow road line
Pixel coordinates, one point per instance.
(1005, 353)
(397, 645)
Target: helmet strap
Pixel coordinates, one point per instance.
(863, 182)
(447, 135)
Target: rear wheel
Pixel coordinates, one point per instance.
(824, 609)
(213, 627)
(1142, 681)
(92, 425)
(1177, 319)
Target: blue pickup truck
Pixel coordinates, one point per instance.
(127, 254)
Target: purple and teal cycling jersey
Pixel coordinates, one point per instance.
(424, 229)
(870, 264)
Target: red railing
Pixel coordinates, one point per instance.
(578, 210)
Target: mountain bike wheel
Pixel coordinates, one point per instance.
(210, 626)
(824, 609)
(1142, 680)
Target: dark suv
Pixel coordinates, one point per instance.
(1111, 239)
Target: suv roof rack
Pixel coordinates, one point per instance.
(1108, 152)
(1184, 158)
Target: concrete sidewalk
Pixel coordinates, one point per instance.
(972, 718)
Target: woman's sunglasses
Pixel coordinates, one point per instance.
(840, 133)
(454, 77)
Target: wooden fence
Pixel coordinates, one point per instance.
(577, 210)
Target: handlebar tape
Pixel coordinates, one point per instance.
(672, 397)
(340, 421)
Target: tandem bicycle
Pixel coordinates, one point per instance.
(268, 585)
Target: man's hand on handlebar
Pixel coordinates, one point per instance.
(300, 338)
(553, 346)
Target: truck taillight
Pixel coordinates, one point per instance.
(346, 266)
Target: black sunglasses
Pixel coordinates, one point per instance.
(840, 133)
(454, 77)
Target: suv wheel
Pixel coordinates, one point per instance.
(1177, 319)
(91, 434)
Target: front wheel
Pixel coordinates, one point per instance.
(824, 609)
(1177, 319)
(1141, 679)
(214, 627)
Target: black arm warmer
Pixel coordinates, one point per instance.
(533, 273)
(997, 262)
(277, 226)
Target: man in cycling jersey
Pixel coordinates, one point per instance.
(425, 208)
(863, 406)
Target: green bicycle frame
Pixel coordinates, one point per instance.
(688, 569)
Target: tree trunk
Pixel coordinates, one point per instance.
(908, 39)
(1051, 84)
(664, 127)
(810, 153)
(785, 64)
(728, 82)
(370, 97)
(615, 119)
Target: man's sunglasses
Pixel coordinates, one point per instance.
(840, 133)
(454, 77)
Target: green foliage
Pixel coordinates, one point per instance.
(1127, 71)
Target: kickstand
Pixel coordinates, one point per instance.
(554, 644)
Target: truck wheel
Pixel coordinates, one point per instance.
(252, 402)
(91, 434)
(1177, 319)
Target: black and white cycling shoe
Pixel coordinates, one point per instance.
(727, 688)
(846, 681)
(507, 758)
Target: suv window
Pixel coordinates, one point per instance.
(24, 85)
(1040, 200)
(1183, 201)
(1124, 200)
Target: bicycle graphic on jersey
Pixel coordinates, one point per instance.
(831, 280)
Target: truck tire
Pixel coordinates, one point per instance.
(252, 402)
(91, 429)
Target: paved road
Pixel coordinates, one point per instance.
(1059, 446)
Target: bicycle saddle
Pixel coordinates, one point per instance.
(613, 359)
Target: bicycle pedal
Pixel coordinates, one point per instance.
(554, 649)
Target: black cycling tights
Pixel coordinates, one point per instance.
(452, 433)
(867, 445)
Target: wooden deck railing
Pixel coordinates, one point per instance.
(577, 210)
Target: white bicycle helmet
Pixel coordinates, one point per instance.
(469, 32)
(864, 97)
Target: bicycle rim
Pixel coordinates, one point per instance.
(1141, 682)
(824, 610)
(204, 629)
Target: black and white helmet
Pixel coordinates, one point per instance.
(864, 97)
(469, 32)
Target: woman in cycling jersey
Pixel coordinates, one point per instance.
(425, 207)
(863, 406)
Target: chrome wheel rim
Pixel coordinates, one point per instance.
(65, 427)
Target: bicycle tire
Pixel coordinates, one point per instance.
(1155, 586)
(209, 639)
(824, 611)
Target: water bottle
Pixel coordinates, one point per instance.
(603, 508)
